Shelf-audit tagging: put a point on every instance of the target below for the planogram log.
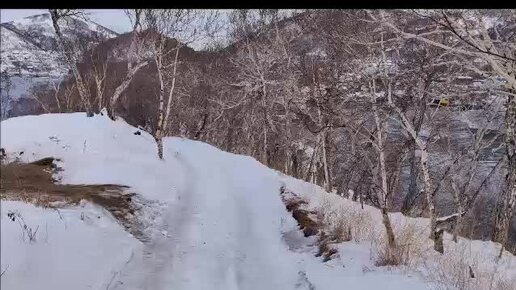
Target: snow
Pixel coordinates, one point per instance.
(445, 218)
(20, 86)
(354, 270)
(220, 225)
(42, 24)
(69, 252)
(16, 51)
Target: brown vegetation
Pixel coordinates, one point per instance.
(33, 182)
(312, 224)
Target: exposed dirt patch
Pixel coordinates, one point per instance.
(326, 248)
(33, 182)
(310, 222)
(306, 220)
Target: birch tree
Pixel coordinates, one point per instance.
(169, 31)
(384, 193)
(99, 75)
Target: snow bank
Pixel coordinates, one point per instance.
(75, 248)
(94, 150)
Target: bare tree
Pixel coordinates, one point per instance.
(255, 63)
(69, 49)
(99, 74)
(494, 47)
(169, 31)
(380, 146)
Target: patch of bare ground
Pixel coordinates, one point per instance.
(312, 224)
(33, 183)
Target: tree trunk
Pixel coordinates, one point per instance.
(413, 191)
(173, 86)
(161, 108)
(159, 142)
(265, 156)
(295, 165)
(323, 135)
(384, 194)
(159, 130)
(327, 175)
(131, 71)
(422, 145)
(460, 209)
(428, 189)
(384, 202)
(99, 93)
(288, 150)
(438, 241)
(509, 204)
(163, 116)
(312, 169)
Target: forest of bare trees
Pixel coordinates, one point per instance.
(406, 110)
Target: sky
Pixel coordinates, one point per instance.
(114, 19)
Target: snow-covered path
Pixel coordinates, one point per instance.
(209, 232)
(146, 269)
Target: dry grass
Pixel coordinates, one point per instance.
(462, 269)
(332, 225)
(310, 223)
(412, 243)
(382, 255)
(345, 223)
(33, 183)
(390, 257)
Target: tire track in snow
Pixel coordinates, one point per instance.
(209, 259)
(148, 270)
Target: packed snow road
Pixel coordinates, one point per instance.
(212, 236)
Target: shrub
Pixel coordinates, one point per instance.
(26, 230)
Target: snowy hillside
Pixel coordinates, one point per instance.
(23, 57)
(29, 55)
(29, 47)
(218, 220)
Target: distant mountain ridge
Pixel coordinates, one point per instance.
(29, 45)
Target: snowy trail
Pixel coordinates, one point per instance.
(150, 265)
(207, 240)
